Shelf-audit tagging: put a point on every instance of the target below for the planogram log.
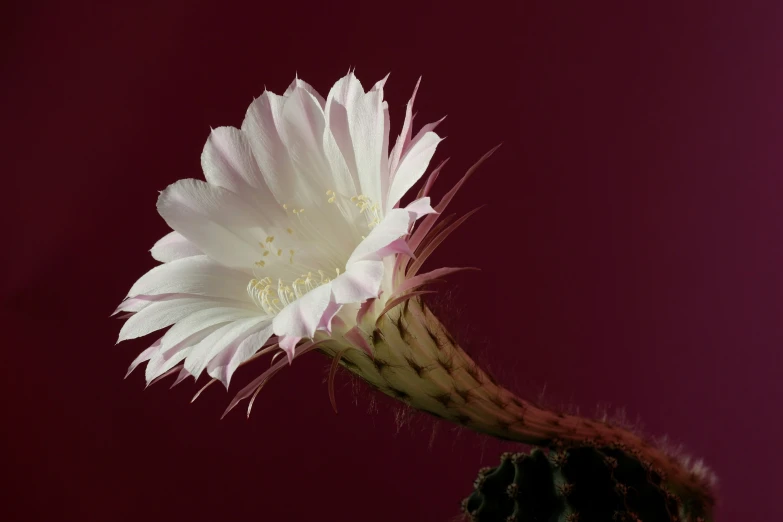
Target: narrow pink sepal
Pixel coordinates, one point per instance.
(357, 338)
(423, 279)
(394, 302)
(430, 248)
(425, 190)
(207, 385)
(183, 374)
(425, 226)
(332, 372)
(164, 375)
(259, 381)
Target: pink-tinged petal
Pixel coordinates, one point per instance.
(173, 246)
(405, 135)
(429, 277)
(220, 223)
(228, 161)
(420, 208)
(144, 356)
(412, 167)
(425, 190)
(167, 312)
(361, 281)
(223, 366)
(397, 300)
(216, 342)
(357, 338)
(399, 246)
(326, 320)
(302, 317)
(426, 225)
(259, 381)
(416, 265)
(364, 309)
(393, 226)
(197, 275)
(261, 125)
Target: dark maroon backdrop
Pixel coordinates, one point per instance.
(631, 251)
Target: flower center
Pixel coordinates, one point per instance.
(273, 298)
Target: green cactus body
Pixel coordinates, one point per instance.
(578, 484)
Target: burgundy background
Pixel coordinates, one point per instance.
(631, 250)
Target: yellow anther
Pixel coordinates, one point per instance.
(260, 263)
(266, 253)
(354, 198)
(330, 200)
(279, 251)
(285, 207)
(337, 270)
(329, 192)
(269, 239)
(289, 230)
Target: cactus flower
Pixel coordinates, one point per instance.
(297, 242)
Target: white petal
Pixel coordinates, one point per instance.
(302, 131)
(228, 162)
(203, 319)
(197, 275)
(173, 246)
(357, 123)
(219, 340)
(336, 115)
(385, 172)
(306, 86)
(144, 356)
(412, 167)
(164, 359)
(302, 317)
(165, 313)
(261, 125)
(361, 281)
(215, 219)
(405, 135)
(223, 366)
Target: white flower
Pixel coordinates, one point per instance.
(296, 225)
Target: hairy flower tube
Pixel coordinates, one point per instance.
(296, 242)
